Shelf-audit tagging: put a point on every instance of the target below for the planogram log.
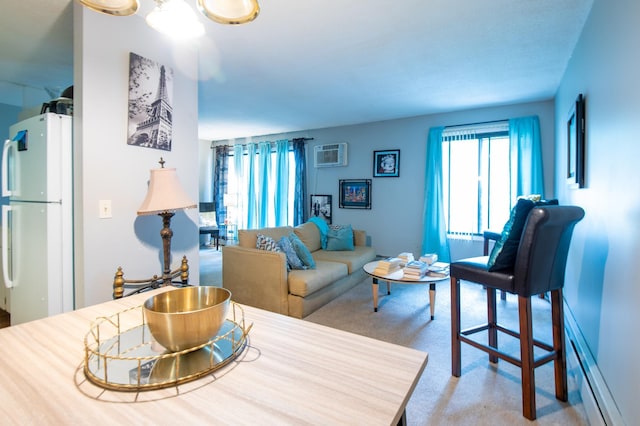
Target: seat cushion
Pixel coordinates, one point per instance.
(354, 259)
(475, 270)
(305, 282)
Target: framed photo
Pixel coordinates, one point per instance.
(321, 207)
(386, 163)
(576, 144)
(355, 193)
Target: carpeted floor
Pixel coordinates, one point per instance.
(485, 394)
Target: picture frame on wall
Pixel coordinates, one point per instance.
(355, 193)
(576, 144)
(321, 207)
(386, 163)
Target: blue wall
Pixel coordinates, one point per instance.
(603, 274)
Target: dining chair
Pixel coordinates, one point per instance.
(539, 267)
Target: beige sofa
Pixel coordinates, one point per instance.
(260, 278)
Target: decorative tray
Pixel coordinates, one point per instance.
(120, 353)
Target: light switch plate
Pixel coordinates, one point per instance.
(105, 209)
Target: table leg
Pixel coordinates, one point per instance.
(432, 299)
(388, 288)
(374, 290)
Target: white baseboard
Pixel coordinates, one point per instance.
(598, 402)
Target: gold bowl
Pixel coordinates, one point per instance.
(186, 317)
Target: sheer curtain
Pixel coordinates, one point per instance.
(262, 183)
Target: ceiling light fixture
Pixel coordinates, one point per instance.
(230, 12)
(176, 19)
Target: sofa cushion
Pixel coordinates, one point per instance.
(306, 282)
(323, 228)
(248, 237)
(309, 234)
(354, 260)
(292, 257)
(266, 243)
(339, 237)
(302, 251)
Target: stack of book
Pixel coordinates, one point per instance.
(439, 270)
(405, 257)
(415, 270)
(387, 266)
(429, 258)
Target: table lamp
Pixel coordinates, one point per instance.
(165, 195)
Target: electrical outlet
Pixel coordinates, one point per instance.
(105, 209)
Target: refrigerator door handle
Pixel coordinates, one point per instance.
(6, 230)
(6, 192)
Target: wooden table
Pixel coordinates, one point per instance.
(398, 277)
(291, 372)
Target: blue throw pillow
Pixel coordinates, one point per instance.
(302, 251)
(340, 237)
(264, 242)
(292, 257)
(503, 255)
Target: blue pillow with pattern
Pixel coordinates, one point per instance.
(340, 237)
(292, 257)
(264, 242)
(302, 251)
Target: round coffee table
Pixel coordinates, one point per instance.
(398, 277)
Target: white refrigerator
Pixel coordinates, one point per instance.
(37, 231)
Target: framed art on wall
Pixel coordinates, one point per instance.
(321, 207)
(576, 144)
(355, 193)
(386, 163)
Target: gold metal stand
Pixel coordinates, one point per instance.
(120, 283)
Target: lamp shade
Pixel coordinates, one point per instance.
(229, 11)
(165, 193)
(113, 7)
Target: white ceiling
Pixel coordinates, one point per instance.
(308, 64)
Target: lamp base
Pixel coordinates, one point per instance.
(139, 286)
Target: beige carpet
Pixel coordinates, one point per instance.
(485, 394)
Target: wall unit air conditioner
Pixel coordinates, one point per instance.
(330, 155)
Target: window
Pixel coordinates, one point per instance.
(238, 185)
(476, 180)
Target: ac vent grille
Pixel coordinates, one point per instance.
(330, 155)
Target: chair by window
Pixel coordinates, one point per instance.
(539, 267)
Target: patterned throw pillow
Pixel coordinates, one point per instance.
(340, 237)
(264, 242)
(503, 255)
(292, 257)
(302, 251)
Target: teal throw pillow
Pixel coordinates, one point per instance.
(503, 255)
(323, 227)
(293, 260)
(302, 251)
(340, 237)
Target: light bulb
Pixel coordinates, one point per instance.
(175, 19)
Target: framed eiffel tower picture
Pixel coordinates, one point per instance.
(150, 103)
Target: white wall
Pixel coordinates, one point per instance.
(395, 219)
(602, 285)
(107, 168)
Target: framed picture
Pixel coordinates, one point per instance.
(386, 163)
(355, 193)
(576, 144)
(321, 207)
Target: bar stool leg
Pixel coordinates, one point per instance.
(492, 320)
(560, 363)
(526, 353)
(456, 360)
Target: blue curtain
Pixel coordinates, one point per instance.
(281, 196)
(241, 197)
(526, 157)
(252, 204)
(300, 194)
(434, 238)
(262, 194)
(220, 178)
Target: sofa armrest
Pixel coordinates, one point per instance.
(360, 237)
(256, 277)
